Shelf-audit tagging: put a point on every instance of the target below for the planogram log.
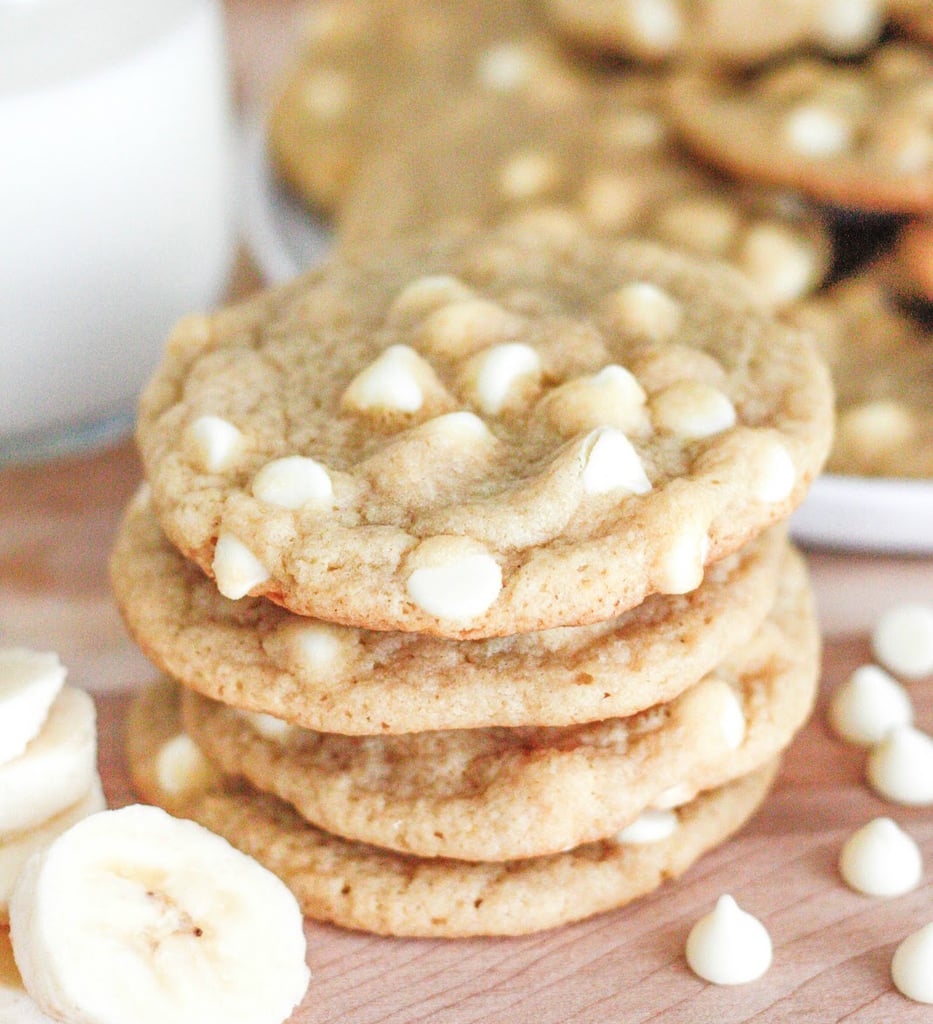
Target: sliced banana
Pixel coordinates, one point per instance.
(55, 770)
(29, 682)
(16, 1006)
(16, 850)
(133, 915)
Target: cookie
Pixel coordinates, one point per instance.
(505, 794)
(614, 163)
(910, 268)
(367, 72)
(731, 32)
(364, 887)
(481, 433)
(857, 134)
(255, 655)
(882, 363)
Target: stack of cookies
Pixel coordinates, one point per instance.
(463, 556)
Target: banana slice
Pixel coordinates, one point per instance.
(15, 851)
(55, 770)
(16, 1006)
(133, 915)
(29, 682)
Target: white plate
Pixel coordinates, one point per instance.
(852, 513)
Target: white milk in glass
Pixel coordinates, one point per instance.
(115, 205)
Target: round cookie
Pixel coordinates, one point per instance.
(363, 887)
(881, 358)
(255, 655)
(858, 134)
(615, 165)
(482, 433)
(505, 794)
(368, 72)
(730, 32)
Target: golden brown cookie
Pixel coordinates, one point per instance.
(481, 433)
(360, 886)
(256, 655)
(505, 794)
(882, 363)
(858, 134)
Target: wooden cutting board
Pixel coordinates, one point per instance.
(833, 947)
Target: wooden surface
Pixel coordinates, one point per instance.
(832, 947)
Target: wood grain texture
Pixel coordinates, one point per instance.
(833, 947)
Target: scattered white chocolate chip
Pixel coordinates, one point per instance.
(495, 373)
(903, 640)
(774, 474)
(268, 726)
(425, 294)
(900, 767)
(780, 263)
(293, 482)
(651, 826)
(462, 424)
(881, 859)
(912, 966)
(729, 946)
(612, 397)
(815, 131)
(700, 224)
(464, 326)
(674, 796)
(391, 382)
(868, 705)
(317, 646)
(610, 463)
(656, 24)
(181, 769)
(528, 175)
(732, 721)
(681, 566)
(236, 569)
(503, 68)
(215, 442)
(847, 26)
(874, 428)
(610, 201)
(454, 584)
(692, 410)
(643, 310)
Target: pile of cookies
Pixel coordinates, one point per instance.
(793, 140)
(464, 556)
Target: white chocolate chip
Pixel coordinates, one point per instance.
(236, 569)
(610, 463)
(216, 443)
(464, 326)
(729, 946)
(868, 705)
(681, 567)
(732, 721)
(900, 767)
(880, 859)
(912, 966)
(657, 24)
(611, 201)
(674, 796)
(425, 294)
(643, 310)
(815, 131)
(651, 826)
(458, 425)
(503, 68)
(268, 726)
(317, 647)
(774, 474)
(528, 175)
(612, 397)
(493, 375)
(699, 224)
(455, 584)
(293, 482)
(692, 410)
(142, 496)
(391, 382)
(903, 640)
(875, 428)
(847, 26)
(182, 770)
(326, 94)
(780, 263)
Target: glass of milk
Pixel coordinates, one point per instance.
(116, 216)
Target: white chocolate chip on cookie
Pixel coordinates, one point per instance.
(610, 463)
(528, 175)
(780, 263)
(464, 326)
(682, 563)
(651, 826)
(732, 720)
(774, 474)
(293, 482)
(644, 310)
(216, 443)
(454, 579)
(182, 770)
(503, 68)
(425, 294)
(816, 131)
(692, 410)
(393, 382)
(268, 726)
(236, 569)
(612, 397)
(493, 376)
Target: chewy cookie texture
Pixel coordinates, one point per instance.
(464, 554)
